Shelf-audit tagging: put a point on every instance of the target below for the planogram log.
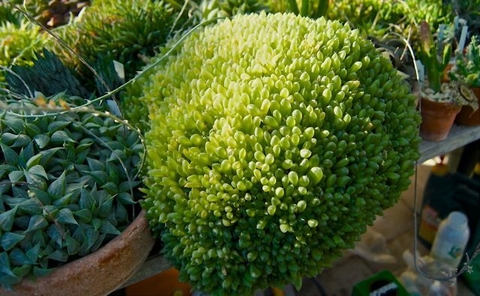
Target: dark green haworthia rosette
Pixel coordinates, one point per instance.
(67, 184)
(275, 140)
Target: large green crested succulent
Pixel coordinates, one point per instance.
(275, 140)
(68, 184)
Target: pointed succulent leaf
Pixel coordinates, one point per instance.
(36, 222)
(107, 227)
(9, 155)
(125, 198)
(26, 153)
(84, 145)
(50, 211)
(41, 140)
(100, 177)
(5, 168)
(47, 155)
(32, 128)
(19, 192)
(58, 255)
(60, 137)
(34, 180)
(58, 125)
(121, 213)
(91, 236)
(97, 224)
(75, 187)
(7, 218)
(5, 264)
(18, 257)
(87, 201)
(8, 138)
(116, 155)
(127, 186)
(65, 216)
(34, 161)
(105, 208)
(42, 196)
(10, 240)
(85, 215)
(95, 165)
(13, 201)
(115, 171)
(32, 253)
(73, 246)
(110, 187)
(57, 187)
(22, 271)
(15, 124)
(16, 176)
(64, 200)
(21, 141)
(31, 206)
(56, 233)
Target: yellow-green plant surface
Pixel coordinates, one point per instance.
(275, 140)
(18, 43)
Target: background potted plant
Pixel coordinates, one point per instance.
(467, 70)
(440, 100)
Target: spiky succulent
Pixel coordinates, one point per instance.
(136, 28)
(201, 10)
(275, 140)
(377, 17)
(67, 184)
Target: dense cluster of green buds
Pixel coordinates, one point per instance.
(275, 140)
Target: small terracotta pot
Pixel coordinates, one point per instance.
(467, 116)
(98, 273)
(437, 119)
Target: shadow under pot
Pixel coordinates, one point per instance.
(437, 119)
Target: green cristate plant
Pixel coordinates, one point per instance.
(275, 140)
(467, 66)
(67, 183)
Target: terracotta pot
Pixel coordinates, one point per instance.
(98, 273)
(467, 116)
(437, 119)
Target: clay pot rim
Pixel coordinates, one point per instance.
(67, 279)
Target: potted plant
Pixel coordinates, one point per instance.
(274, 141)
(70, 223)
(467, 70)
(440, 100)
